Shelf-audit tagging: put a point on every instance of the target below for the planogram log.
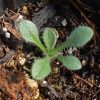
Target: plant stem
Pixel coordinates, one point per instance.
(40, 45)
(60, 48)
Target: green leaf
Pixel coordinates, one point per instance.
(29, 32)
(79, 37)
(50, 38)
(70, 62)
(41, 68)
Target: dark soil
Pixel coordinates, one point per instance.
(62, 83)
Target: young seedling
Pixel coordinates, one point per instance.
(41, 67)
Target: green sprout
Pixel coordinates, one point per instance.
(41, 67)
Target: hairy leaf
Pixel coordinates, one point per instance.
(50, 38)
(29, 32)
(79, 37)
(70, 62)
(41, 68)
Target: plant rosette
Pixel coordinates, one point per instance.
(41, 67)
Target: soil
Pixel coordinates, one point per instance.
(13, 86)
(17, 56)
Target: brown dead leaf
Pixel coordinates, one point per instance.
(12, 30)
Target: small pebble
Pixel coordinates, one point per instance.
(22, 61)
(64, 22)
(4, 29)
(70, 51)
(20, 18)
(7, 34)
(84, 62)
(33, 84)
(44, 82)
(57, 63)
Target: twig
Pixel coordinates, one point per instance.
(96, 93)
(77, 77)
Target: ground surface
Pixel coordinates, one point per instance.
(61, 84)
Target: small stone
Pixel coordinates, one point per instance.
(57, 63)
(7, 34)
(70, 51)
(4, 29)
(44, 82)
(20, 18)
(48, 93)
(64, 22)
(22, 61)
(84, 62)
(32, 83)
